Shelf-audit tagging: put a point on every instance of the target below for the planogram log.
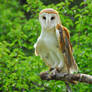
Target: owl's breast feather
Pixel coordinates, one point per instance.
(46, 42)
(47, 48)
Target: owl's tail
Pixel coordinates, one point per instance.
(74, 67)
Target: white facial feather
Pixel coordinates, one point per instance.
(49, 21)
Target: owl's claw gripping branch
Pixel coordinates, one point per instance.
(66, 77)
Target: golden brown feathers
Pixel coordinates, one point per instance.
(66, 48)
(49, 10)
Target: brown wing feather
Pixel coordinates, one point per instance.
(68, 35)
(66, 47)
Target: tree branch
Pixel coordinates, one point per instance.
(66, 77)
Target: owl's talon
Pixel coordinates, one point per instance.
(53, 72)
(58, 69)
(51, 69)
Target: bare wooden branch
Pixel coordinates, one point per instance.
(66, 77)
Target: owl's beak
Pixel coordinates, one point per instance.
(48, 23)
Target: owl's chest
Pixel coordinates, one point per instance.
(48, 48)
(47, 42)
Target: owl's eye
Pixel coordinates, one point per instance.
(52, 18)
(44, 17)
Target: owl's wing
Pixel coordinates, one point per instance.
(35, 46)
(63, 38)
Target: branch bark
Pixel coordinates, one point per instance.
(66, 77)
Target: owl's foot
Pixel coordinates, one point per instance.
(55, 69)
(58, 69)
(53, 72)
(51, 69)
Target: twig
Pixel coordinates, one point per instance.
(67, 77)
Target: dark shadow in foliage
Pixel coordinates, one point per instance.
(27, 14)
(47, 2)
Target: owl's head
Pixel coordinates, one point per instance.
(49, 18)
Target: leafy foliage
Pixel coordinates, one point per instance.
(19, 29)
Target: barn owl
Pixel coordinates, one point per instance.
(53, 45)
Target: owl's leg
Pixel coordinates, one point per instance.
(60, 60)
(51, 68)
(53, 60)
(54, 71)
(60, 66)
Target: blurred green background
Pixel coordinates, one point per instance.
(19, 30)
